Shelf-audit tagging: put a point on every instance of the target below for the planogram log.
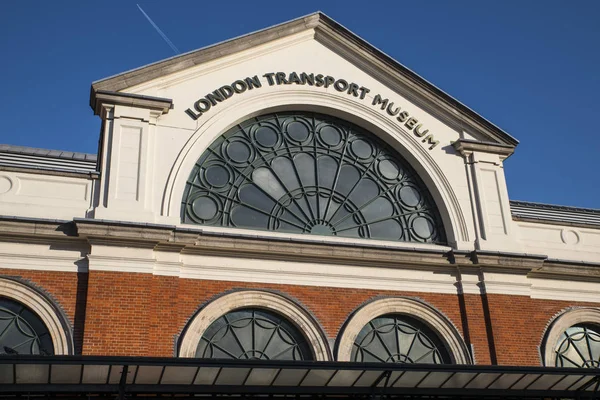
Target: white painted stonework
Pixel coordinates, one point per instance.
(34, 195)
(147, 153)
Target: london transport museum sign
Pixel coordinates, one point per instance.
(223, 93)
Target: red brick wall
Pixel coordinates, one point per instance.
(141, 315)
(519, 322)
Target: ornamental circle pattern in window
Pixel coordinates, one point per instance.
(451, 346)
(396, 338)
(253, 334)
(312, 174)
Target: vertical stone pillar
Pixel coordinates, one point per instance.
(489, 195)
(127, 155)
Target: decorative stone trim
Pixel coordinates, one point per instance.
(584, 315)
(257, 299)
(400, 305)
(45, 309)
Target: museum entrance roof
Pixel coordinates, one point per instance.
(129, 377)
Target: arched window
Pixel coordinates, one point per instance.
(579, 346)
(398, 338)
(254, 324)
(253, 334)
(312, 174)
(22, 331)
(401, 330)
(573, 339)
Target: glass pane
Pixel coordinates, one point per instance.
(505, 381)
(398, 339)
(290, 377)
(65, 373)
(579, 347)
(232, 376)
(435, 379)
(253, 334)
(482, 381)
(22, 331)
(345, 378)
(6, 373)
(261, 376)
(32, 373)
(95, 374)
(459, 380)
(317, 377)
(148, 374)
(310, 173)
(368, 378)
(179, 375)
(206, 375)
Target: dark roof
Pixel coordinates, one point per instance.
(90, 375)
(553, 213)
(45, 159)
(326, 27)
(65, 155)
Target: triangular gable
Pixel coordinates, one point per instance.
(337, 38)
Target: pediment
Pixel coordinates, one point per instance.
(325, 48)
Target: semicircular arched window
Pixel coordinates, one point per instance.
(253, 334)
(313, 174)
(22, 331)
(396, 338)
(579, 346)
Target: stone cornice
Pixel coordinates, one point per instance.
(171, 239)
(466, 147)
(99, 98)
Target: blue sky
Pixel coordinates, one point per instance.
(531, 67)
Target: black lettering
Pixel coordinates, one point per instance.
(202, 105)
(319, 80)
(377, 100)
(363, 92)
(340, 85)
(269, 76)
(328, 81)
(192, 114)
(402, 116)
(280, 78)
(430, 140)
(310, 79)
(353, 89)
(215, 97)
(255, 81)
(418, 131)
(294, 79)
(226, 91)
(411, 123)
(239, 86)
(392, 112)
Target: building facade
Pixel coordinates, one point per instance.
(292, 194)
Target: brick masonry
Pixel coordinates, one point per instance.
(116, 313)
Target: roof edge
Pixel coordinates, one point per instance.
(100, 97)
(317, 20)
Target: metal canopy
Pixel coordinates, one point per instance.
(130, 376)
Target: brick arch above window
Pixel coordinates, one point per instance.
(48, 312)
(584, 316)
(255, 299)
(414, 310)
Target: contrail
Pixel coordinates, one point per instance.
(166, 39)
